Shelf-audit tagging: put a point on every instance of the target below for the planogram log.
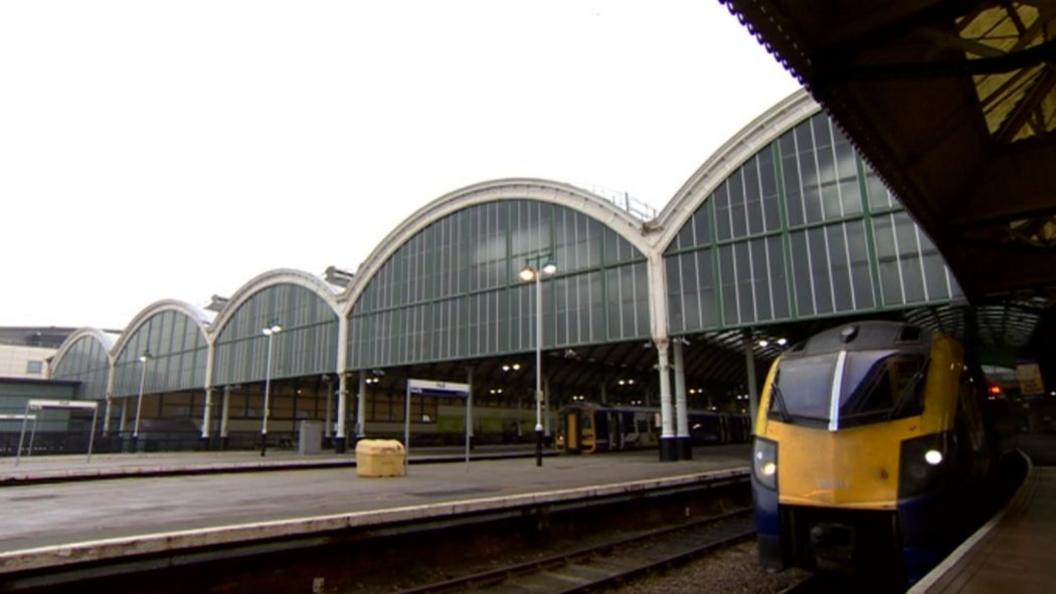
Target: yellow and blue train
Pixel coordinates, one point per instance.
(869, 443)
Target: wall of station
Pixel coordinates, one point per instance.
(785, 222)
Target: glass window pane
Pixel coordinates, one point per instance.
(722, 211)
(801, 274)
(790, 172)
(728, 286)
(778, 280)
(934, 268)
(743, 266)
(840, 268)
(690, 288)
(860, 275)
(768, 184)
(887, 260)
(752, 196)
(761, 280)
(820, 267)
(909, 256)
(702, 223)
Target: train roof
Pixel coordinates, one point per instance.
(864, 336)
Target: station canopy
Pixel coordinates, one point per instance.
(954, 104)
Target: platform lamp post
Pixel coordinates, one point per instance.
(139, 400)
(533, 270)
(270, 331)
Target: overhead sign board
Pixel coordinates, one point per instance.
(434, 388)
(1029, 375)
(37, 404)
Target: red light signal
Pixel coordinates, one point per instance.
(994, 390)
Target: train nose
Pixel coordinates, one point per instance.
(833, 546)
(827, 536)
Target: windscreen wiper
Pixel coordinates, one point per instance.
(779, 399)
(908, 391)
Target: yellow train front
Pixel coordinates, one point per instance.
(869, 445)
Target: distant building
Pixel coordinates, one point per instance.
(25, 350)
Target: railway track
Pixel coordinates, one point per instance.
(610, 562)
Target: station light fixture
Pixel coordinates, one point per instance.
(139, 400)
(534, 269)
(270, 331)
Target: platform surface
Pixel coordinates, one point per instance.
(1015, 552)
(51, 515)
(102, 466)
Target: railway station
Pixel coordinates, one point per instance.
(907, 189)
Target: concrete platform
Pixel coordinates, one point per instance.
(1014, 552)
(47, 526)
(51, 469)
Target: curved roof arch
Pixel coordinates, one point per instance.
(105, 339)
(541, 190)
(271, 278)
(196, 314)
(732, 154)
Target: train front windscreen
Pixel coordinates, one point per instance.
(847, 388)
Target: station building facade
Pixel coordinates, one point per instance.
(785, 224)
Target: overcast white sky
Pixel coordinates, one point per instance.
(153, 150)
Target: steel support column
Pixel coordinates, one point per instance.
(668, 447)
(341, 439)
(685, 448)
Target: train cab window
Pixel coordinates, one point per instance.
(643, 426)
(880, 385)
(802, 388)
(875, 385)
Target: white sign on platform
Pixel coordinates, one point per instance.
(433, 388)
(421, 387)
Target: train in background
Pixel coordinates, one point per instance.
(589, 427)
(868, 443)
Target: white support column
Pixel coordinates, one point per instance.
(106, 416)
(123, 423)
(341, 434)
(109, 399)
(207, 416)
(328, 426)
(668, 451)
(361, 407)
(341, 439)
(225, 407)
(685, 449)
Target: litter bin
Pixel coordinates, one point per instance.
(310, 438)
(379, 458)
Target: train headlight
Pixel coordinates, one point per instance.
(922, 470)
(764, 462)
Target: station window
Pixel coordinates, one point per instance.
(34, 367)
